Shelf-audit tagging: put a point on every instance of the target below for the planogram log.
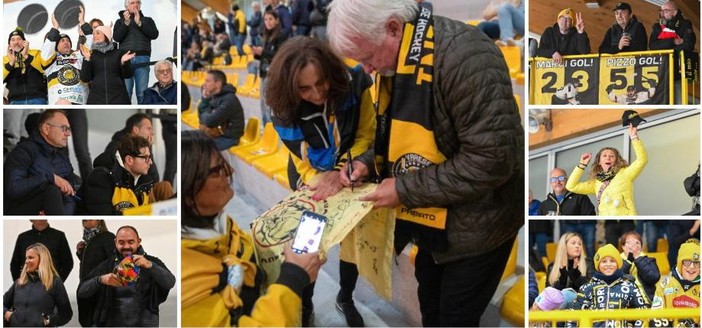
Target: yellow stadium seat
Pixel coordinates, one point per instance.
(662, 245)
(661, 261)
(218, 61)
(518, 100)
(268, 145)
(540, 275)
(256, 90)
(247, 49)
(271, 164)
(250, 136)
(233, 79)
(239, 61)
(281, 177)
(190, 118)
(512, 308)
(511, 261)
(513, 57)
(545, 262)
(551, 249)
(246, 87)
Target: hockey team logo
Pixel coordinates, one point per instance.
(408, 163)
(68, 75)
(123, 205)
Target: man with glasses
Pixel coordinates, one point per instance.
(563, 202)
(626, 35)
(38, 174)
(682, 288)
(138, 124)
(134, 32)
(165, 90)
(125, 184)
(675, 32)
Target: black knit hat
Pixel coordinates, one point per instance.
(17, 31)
(61, 36)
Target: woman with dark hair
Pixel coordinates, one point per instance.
(219, 277)
(97, 245)
(322, 112)
(105, 67)
(611, 178)
(38, 298)
(636, 263)
(272, 39)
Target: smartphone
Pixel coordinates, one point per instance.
(309, 232)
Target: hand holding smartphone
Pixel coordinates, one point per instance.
(309, 232)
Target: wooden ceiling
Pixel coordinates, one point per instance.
(543, 13)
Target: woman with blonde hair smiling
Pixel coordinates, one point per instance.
(38, 298)
(571, 267)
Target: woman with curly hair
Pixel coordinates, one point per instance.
(611, 177)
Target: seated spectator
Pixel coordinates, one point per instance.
(609, 289)
(636, 263)
(38, 174)
(165, 90)
(213, 247)
(220, 112)
(571, 268)
(105, 68)
(566, 37)
(221, 48)
(682, 288)
(138, 124)
(504, 19)
(110, 190)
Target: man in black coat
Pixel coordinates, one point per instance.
(566, 37)
(628, 34)
(122, 303)
(54, 240)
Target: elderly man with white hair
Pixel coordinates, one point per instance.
(165, 90)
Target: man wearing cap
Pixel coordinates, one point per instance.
(563, 38)
(682, 288)
(626, 35)
(64, 64)
(675, 32)
(609, 288)
(134, 32)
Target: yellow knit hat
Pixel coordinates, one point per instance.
(607, 250)
(568, 13)
(690, 250)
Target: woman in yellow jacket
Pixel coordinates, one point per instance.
(219, 278)
(611, 178)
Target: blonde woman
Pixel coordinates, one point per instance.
(571, 267)
(611, 178)
(38, 298)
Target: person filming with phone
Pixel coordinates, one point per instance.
(219, 278)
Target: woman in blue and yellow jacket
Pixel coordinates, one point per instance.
(219, 278)
(611, 178)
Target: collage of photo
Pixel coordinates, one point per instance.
(350, 163)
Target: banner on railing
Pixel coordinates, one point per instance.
(624, 79)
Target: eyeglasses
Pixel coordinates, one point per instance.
(223, 169)
(560, 178)
(687, 263)
(64, 128)
(163, 71)
(146, 158)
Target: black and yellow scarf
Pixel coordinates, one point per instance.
(405, 138)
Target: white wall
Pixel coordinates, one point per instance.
(160, 238)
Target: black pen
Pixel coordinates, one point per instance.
(349, 167)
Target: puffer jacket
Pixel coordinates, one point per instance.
(223, 109)
(477, 127)
(619, 293)
(572, 204)
(30, 168)
(572, 43)
(106, 74)
(109, 190)
(639, 39)
(133, 37)
(28, 302)
(646, 272)
(618, 197)
(157, 96)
